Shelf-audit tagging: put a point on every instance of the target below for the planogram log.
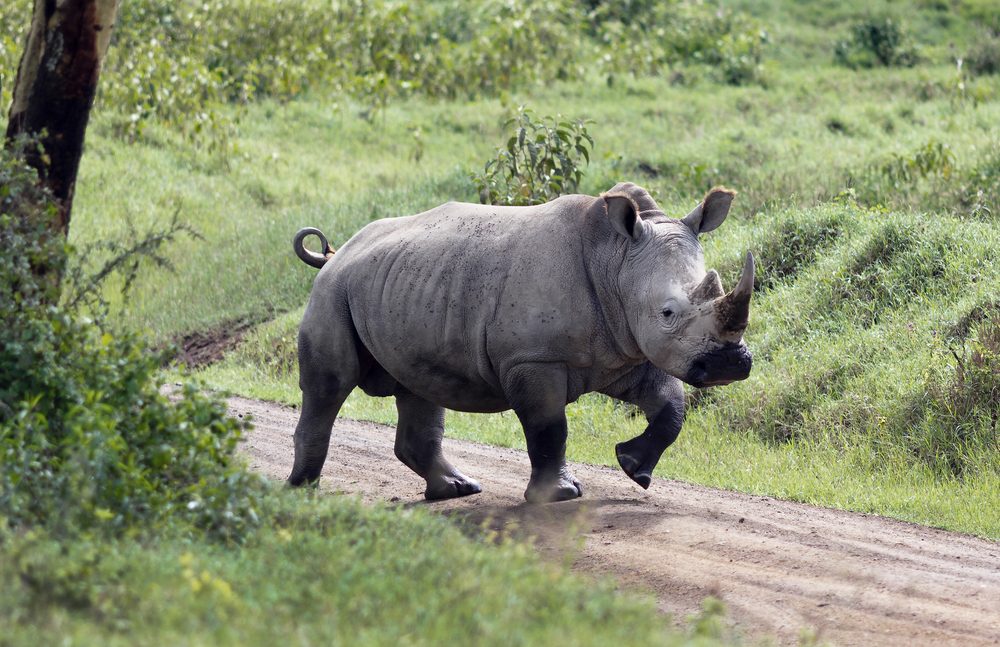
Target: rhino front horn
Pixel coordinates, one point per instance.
(734, 309)
(745, 287)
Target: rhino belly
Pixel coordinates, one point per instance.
(450, 386)
(438, 372)
(432, 346)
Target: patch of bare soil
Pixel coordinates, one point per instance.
(780, 567)
(200, 349)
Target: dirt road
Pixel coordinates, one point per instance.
(780, 567)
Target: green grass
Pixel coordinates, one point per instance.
(868, 283)
(848, 402)
(815, 318)
(837, 411)
(322, 571)
(316, 162)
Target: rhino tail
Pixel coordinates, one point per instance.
(308, 257)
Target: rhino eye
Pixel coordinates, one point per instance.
(667, 313)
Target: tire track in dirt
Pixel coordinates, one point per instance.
(779, 567)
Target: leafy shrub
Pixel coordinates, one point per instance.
(787, 250)
(958, 416)
(981, 12)
(179, 62)
(14, 16)
(979, 189)
(167, 65)
(900, 174)
(931, 178)
(984, 56)
(88, 441)
(876, 42)
(540, 161)
(641, 37)
(933, 158)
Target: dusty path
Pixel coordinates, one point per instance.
(779, 567)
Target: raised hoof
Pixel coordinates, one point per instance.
(632, 468)
(450, 487)
(563, 489)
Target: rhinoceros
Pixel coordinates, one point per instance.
(489, 308)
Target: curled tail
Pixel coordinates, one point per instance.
(312, 258)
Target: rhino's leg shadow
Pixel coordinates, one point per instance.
(661, 397)
(537, 393)
(418, 446)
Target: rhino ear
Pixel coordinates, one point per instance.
(711, 212)
(623, 214)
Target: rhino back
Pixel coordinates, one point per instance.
(449, 299)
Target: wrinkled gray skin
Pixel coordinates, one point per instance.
(484, 308)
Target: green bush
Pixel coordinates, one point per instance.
(877, 42)
(541, 160)
(900, 175)
(640, 37)
(932, 178)
(956, 420)
(984, 56)
(177, 63)
(979, 191)
(14, 16)
(88, 442)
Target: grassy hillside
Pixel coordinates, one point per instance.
(870, 195)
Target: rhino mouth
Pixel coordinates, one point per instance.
(729, 363)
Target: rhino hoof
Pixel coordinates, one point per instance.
(564, 489)
(643, 480)
(627, 461)
(629, 464)
(632, 469)
(450, 487)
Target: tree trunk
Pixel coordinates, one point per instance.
(55, 87)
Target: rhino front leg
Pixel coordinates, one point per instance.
(661, 397)
(418, 446)
(537, 393)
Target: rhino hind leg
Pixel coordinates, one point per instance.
(418, 446)
(329, 369)
(320, 406)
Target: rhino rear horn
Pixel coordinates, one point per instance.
(734, 308)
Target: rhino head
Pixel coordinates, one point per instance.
(679, 315)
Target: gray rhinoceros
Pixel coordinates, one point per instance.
(484, 309)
